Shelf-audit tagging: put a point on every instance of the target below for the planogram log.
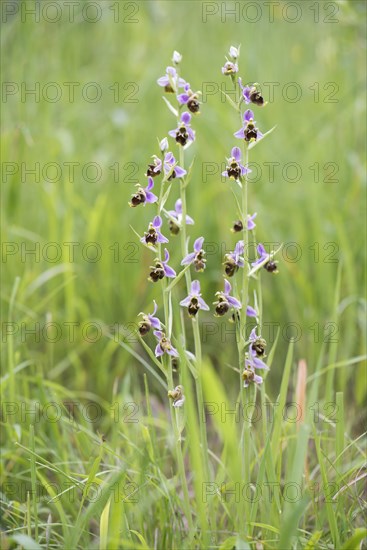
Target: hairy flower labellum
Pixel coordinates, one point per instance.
(222, 307)
(237, 227)
(256, 97)
(138, 198)
(156, 273)
(271, 266)
(193, 105)
(173, 227)
(144, 327)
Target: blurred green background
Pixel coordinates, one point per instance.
(127, 49)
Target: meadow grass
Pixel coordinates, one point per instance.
(89, 455)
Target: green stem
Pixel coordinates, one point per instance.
(167, 364)
(196, 332)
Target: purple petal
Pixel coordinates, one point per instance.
(181, 83)
(191, 133)
(158, 350)
(168, 271)
(246, 94)
(239, 247)
(236, 153)
(163, 144)
(203, 305)
(245, 170)
(183, 98)
(227, 287)
(234, 302)
(248, 115)
(155, 321)
(258, 379)
(166, 255)
(251, 312)
(150, 185)
(150, 197)
(250, 224)
(178, 206)
(198, 244)
(186, 301)
(253, 335)
(169, 158)
(261, 250)
(172, 133)
(259, 135)
(157, 222)
(155, 307)
(171, 71)
(186, 117)
(188, 259)
(163, 81)
(195, 288)
(180, 172)
(240, 134)
(173, 352)
(225, 174)
(240, 262)
(189, 220)
(260, 364)
(158, 334)
(161, 238)
(173, 213)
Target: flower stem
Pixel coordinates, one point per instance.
(196, 332)
(167, 364)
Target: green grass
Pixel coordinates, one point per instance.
(91, 456)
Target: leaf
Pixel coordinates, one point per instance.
(291, 523)
(231, 102)
(355, 539)
(103, 526)
(177, 278)
(26, 542)
(165, 197)
(254, 143)
(189, 174)
(170, 107)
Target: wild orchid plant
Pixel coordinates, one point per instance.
(232, 300)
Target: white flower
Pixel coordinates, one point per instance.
(234, 52)
(179, 402)
(176, 58)
(163, 146)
